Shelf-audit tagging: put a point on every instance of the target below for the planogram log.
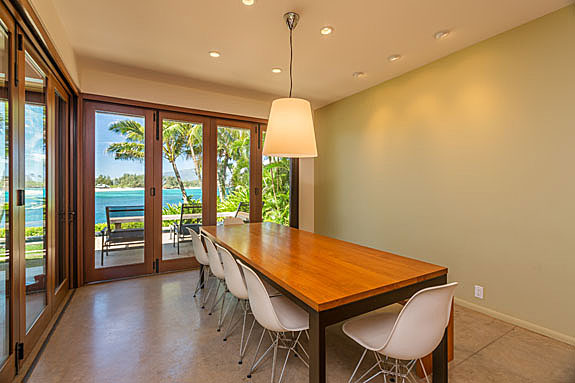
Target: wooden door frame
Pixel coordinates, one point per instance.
(184, 262)
(8, 367)
(91, 273)
(60, 291)
(30, 337)
(255, 185)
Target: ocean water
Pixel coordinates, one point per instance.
(35, 202)
(136, 198)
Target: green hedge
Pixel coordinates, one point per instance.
(30, 232)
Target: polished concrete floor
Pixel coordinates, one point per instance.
(152, 330)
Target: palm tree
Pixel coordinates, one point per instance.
(195, 145)
(233, 157)
(133, 148)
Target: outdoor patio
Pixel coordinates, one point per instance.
(134, 253)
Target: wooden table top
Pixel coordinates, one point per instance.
(323, 272)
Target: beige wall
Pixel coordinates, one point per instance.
(468, 162)
(109, 81)
(52, 24)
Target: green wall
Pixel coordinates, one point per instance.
(468, 162)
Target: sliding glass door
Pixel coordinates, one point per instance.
(179, 175)
(153, 176)
(119, 190)
(34, 195)
(7, 259)
(233, 171)
(61, 190)
(275, 188)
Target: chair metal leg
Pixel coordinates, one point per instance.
(199, 286)
(247, 339)
(275, 344)
(370, 369)
(424, 372)
(231, 324)
(290, 349)
(255, 363)
(207, 296)
(357, 366)
(216, 299)
(222, 315)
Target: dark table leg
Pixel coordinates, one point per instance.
(440, 361)
(316, 349)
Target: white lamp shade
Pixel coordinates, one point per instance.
(290, 130)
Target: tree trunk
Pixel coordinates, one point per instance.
(222, 177)
(180, 182)
(196, 161)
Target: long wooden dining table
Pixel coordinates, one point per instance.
(332, 280)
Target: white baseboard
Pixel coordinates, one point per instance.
(518, 322)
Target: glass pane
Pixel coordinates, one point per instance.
(119, 189)
(181, 186)
(275, 189)
(4, 201)
(61, 110)
(233, 173)
(35, 190)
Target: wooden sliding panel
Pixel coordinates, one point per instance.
(256, 174)
(279, 193)
(119, 191)
(60, 142)
(179, 178)
(236, 166)
(9, 260)
(35, 194)
(209, 186)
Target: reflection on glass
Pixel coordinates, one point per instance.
(275, 189)
(4, 201)
(233, 172)
(181, 186)
(119, 189)
(60, 109)
(35, 190)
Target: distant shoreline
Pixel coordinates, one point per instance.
(138, 189)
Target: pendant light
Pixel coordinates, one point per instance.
(290, 131)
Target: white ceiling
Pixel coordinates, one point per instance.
(172, 38)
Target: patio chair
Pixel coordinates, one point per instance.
(243, 211)
(180, 227)
(113, 234)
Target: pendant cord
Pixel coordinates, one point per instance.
(290, 61)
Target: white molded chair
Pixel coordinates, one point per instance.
(282, 319)
(202, 258)
(237, 287)
(217, 270)
(408, 336)
(233, 221)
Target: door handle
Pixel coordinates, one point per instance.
(20, 197)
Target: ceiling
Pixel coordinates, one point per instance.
(173, 40)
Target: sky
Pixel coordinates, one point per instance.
(107, 165)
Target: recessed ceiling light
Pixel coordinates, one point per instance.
(393, 58)
(441, 35)
(215, 54)
(276, 70)
(248, 2)
(359, 75)
(327, 30)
